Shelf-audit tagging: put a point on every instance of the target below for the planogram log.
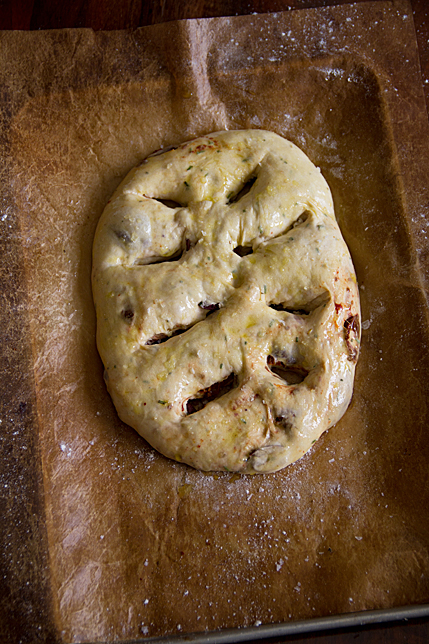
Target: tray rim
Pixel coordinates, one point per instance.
(299, 627)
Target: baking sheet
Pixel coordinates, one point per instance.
(105, 539)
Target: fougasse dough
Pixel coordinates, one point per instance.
(227, 306)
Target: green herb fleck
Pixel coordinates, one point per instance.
(312, 442)
(296, 339)
(190, 167)
(186, 184)
(221, 365)
(243, 420)
(162, 402)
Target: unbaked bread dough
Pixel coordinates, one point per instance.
(227, 306)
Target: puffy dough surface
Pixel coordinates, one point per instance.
(227, 306)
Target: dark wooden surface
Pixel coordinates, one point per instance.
(129, 14)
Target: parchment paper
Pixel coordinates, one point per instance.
(104, 539)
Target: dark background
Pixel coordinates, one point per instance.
(130, 14)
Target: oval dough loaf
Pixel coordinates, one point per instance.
(227, 304)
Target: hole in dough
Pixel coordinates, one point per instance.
(351, 335)
(174, 257)
(298, 222)
(159, 338)
(292, 374)
(246, 187)
(241, 251)
(283, 422)
(209, 307)
(303, 308)
(204, 396)
(145, 261)
(168, 202)
(301, 219)
(295, 311)
(128, 315)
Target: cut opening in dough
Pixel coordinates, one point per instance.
(174, 257)
(209, 307)
(128, 314)
(283, 421)
(159, 338)
(160, 259)
(303, 307)
(300, 220)
(292, 374)
(168, 202)
(242, 251)
(351, 336)
(243, 190)
(215, 391)
(295, 310)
